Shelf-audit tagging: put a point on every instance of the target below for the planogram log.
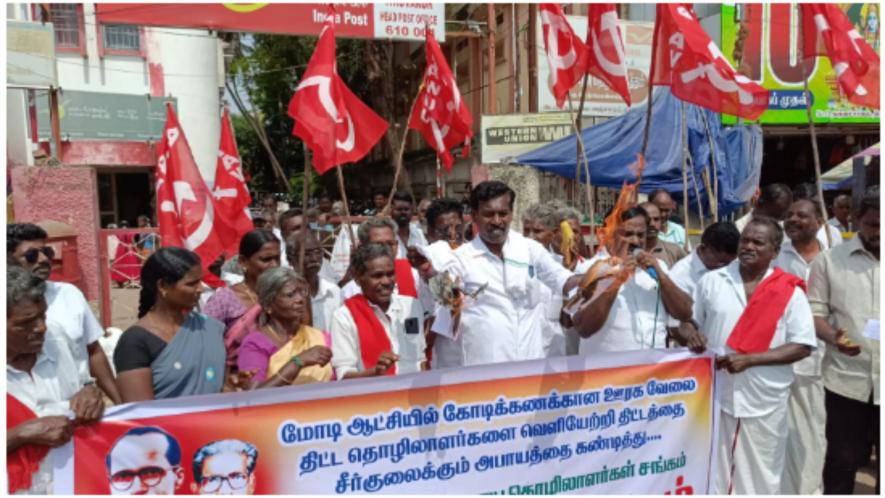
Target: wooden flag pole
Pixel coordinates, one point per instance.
(685, 175)
(346, 206)
(305, 194)
(582, 159)
(807, 94)
(402, 150)
(714, 194)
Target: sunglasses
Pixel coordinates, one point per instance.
(33, 254)
(149, 476)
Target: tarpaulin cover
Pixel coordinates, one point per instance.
(613, 145)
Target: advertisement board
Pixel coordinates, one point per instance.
(600, 101)
(770, 56)
(30, 55)
(396, 21)
(640, 422)
(104, 116)
(505, 136)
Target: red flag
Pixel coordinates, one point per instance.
(828, 32)
(231, 192)
(185, 207)
(686, 60)
(337, 126)
(606, 59)
(440, 115)
(566, 53)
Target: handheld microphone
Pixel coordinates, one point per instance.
(650, 270)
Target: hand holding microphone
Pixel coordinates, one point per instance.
(646, 261)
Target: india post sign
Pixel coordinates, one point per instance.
(641, 422)
(771, 58)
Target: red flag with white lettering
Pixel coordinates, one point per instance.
(337, 126)
(439, 114)
(686, 59)
(566, 53)
(230, 191)
(828, 32)
(186, 211)
(606, 59)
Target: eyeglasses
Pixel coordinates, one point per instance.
(236, 480)
(33, 254)
(149, 476)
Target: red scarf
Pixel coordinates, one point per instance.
(373, 337)
(755, 328)
(23, 462)
(405, 281)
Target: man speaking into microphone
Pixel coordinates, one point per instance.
(628, 306)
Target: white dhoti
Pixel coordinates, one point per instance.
(751, 453)
(807, 442)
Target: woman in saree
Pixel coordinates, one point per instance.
(283, 350)
(172, 350)
(237, 306)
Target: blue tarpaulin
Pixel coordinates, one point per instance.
(613, 145)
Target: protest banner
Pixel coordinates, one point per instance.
(640, 422)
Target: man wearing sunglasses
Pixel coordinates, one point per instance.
(68, 310)
(225, 467)
(145, 461)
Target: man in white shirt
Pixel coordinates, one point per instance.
(378, 230)
(407, 234)
(290, 222)
(325, 296)
(718, 248)
(841, 213)
(445, 233)
(670, 231)
(51, 393)
(500, 324)
(632, 312)
(774, 332)
(806, 444)
(774, 200)
(539, 224)
(843, 289)
(68, 309)
(377, 332)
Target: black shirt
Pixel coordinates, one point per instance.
(137, 348)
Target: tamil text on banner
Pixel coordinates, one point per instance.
(632, 423)
(397, 21)
(768, 50)
(600, 99)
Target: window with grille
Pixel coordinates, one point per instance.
(65, 19)
(120, 37)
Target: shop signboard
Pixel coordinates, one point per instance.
(770, 56)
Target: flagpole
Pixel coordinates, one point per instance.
(714, 194)
(305, 193)
(582, 153)
(347, 223)
(402, 150)
(439, 190)
(685, 175)
(807, 94)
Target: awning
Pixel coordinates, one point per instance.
(614, 144)
(840, 176)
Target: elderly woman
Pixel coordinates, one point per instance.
(237, 306)
(172, 350)
(377, 332)
(43, 385)
(283, 349)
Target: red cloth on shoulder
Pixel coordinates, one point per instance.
(755, 329)
(373, 337)
(23, 462)
(405, 280)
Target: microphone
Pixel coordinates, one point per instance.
(650, 270)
